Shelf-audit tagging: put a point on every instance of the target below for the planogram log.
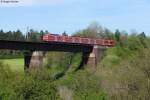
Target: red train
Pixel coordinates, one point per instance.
(74, 39)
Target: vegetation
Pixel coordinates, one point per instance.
(129, 80)
(18, 36)
(14, 64)
(17, 86)
(123, 73)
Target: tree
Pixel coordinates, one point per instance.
(33, 35)
(117, 35)
(2, 35)
(142, 38)
(9, 35)
(95, 26)
(64, 33)
(46, 31)
(18, 36)
(94, 30)
(42, 33)
(107, 34)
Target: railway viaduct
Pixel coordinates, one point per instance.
(33, 57)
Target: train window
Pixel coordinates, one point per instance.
(92, 41)
(60, 38)
(84, 40)
(99, 41)
(45, 38)
(106, 42)
(68, 39)
(77, 40)
(51, 38)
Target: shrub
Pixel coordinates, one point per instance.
(110, 60)
(84, 85)
(6, 77)
(129, 80)
(37, 85)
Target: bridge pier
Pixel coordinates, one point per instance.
(27, 59)
(36, 59)
(33, 59)
(93, 58)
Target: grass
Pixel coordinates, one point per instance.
(14, 64)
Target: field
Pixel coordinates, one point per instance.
(14, 64)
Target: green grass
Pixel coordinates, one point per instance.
(14, 64)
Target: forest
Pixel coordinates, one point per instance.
(122, 74)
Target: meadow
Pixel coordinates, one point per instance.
(14, 64)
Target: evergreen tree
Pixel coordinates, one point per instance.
(117, 35)
(142, 38)
(18, 36)
(2, 35)
(64, 33)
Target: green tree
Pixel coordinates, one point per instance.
(2, 37)
(94, 30)
(143, 39)
(117, 35)
(33, 35)
(108, 34)
(18, 36)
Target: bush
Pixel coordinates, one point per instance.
(32, 89)
(37, 85)
(129, 80)
(128, 49)
(6, 80)
(110, 60)
(75, 62)
(84, 85)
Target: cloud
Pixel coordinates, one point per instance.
(32, 2)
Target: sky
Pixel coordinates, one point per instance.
(58, 16)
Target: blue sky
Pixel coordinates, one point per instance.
(57, 16)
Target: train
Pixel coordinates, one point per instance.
(76, 39)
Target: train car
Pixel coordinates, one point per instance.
(73, 39)
(68, 39)
(112, 42)
(85, 40)
(99, 41)
(59, 38)
(76, 39)
(51, 37)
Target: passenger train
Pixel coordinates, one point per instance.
(75, 39)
